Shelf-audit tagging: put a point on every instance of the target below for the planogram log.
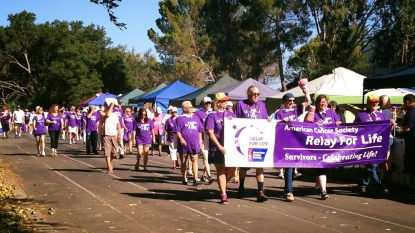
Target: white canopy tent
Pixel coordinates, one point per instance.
(343, 86)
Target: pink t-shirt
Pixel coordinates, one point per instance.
(158, 126)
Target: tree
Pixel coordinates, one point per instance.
(393, 43)
(278, 26)
(184, 43)
(345, 30)
(110, 5)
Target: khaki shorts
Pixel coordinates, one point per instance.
(185, 157)
(110, 145)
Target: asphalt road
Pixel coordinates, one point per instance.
(73, 193)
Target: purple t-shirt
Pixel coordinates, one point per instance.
(6, 119)
(366, 116)
(143, 132)
(129, 122)
(79, 120)
(190, 127)
(57, 118)
(244, 109)
(40, 122)
(202, 114)
(120, 113)
(27, 116)
(292, 113)
(329, 117)
(71, 117)
(91, 123)
(171, 128)
(214, 121)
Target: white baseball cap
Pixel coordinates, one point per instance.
(229, 103)
(170, 108)
(207, 99)
(174, 109)
(158, 110)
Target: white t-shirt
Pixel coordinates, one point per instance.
(111, 125)
(18, 116)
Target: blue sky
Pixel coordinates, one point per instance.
(139, 15)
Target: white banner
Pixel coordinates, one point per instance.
(249, 142)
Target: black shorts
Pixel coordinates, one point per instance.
(18, 124)
(216, 157)
(321, 171)
(5, 127)
(27, 122)
(409, 164)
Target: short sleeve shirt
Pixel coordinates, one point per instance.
(329, 117)
(245, 109)
(215, 122)
(291, 113)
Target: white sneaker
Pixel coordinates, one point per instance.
(43, 154)
(189, 172)
(70, 142)
(73, 142)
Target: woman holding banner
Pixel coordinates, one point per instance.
(289, 114)
(323, 116)
(215, 130)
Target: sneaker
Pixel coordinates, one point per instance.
(43, 154)
(203, 179)
(261, 197)
(189, 173)
(96, 152)
(184, 181)
(122, 156)
(70, 142)
(281, 175)
(52, 154)
(324, 195)
(297, 175)
(197, 182)
(289, 197)
(73, 141)
(38, 154)
(224, 199)
(241, 192)
(210, 180)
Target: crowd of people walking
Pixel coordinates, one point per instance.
(116, 130)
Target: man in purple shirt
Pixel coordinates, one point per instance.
(91, 129)
(189, 132)
(202, 114)
(252, 108)
(369, 115)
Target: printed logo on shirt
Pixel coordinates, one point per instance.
(191, 125)
(252, 113)
(144, 127)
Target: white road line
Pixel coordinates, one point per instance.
(310, 202)
(357, 214)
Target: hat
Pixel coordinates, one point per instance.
(18, 106)
(4, 108)
(97, 108)
(158, 110)
(170, 108)
(372, 98)
(229, 103)
(207, 99)
(221, 96)
(174, 109)
(287, 97)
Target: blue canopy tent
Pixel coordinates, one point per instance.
(162, 96)
(100, 100)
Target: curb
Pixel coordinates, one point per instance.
(38, 221)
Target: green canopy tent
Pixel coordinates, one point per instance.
(136, 99)
(124, 98)
(197, 96)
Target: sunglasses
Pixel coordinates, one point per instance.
(174, 112)
(208, 103)
(255, 94)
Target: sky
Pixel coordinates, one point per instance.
(139, 15)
